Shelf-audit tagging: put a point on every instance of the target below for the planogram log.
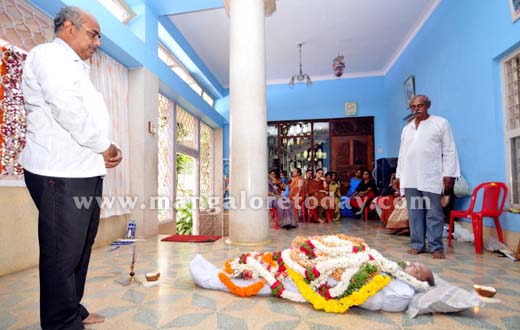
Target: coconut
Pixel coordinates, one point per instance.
(151, 277)
(485, 291)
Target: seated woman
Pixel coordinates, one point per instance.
(316, 191)
(384, 203)
(354, 181)
(365, 192)
(334, 193)
(352, 184)
(332, 272)
(397, 223)
(281, 205)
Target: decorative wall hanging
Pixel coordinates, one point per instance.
(338, 65)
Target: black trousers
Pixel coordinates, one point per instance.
(66, 233)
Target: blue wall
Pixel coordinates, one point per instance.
(326, 99)
(455, 59)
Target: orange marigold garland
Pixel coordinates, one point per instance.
(245, 291)
(227, 267)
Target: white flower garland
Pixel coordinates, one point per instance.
(351, 265)
(286, 256)
(333, 251)
(392, 268)
(342, 286)
(353, 259)
(270, 279)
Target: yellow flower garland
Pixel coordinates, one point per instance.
(338, 305)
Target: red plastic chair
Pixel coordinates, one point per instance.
(493, 199)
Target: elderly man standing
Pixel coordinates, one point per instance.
(66, 155)
(427, 163)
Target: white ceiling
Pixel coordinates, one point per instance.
(369, 33)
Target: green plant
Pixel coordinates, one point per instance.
(184, 219)
(184, 213)
(182, 163)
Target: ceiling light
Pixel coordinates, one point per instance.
(300, 76)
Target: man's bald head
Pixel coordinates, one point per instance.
(79, 29)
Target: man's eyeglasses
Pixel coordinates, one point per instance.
(92, 34)
(417, 106)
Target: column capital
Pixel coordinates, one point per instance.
(269, 6)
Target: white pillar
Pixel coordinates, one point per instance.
(248, 122)
(143, 91)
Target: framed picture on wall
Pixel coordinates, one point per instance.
(515, 9)
(409, 89)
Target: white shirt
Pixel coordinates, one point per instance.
(67, 119)
(427, 154)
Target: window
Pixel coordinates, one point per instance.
(187, 129)
(119, 9)
(206, 165)
(191, 148)
(165, 166)
(209, 100)
(512, 123)
(183, 73)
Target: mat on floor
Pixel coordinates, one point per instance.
(191, 238)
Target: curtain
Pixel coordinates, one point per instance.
(111, 79)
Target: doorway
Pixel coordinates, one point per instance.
(185, 192)
(352, 146)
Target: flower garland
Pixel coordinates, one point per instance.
(286, 256)
(331, 272)
(343, 285)
(339, 249)
(393, 268)
(13, 127)
(276, 283)
(3, 71)
(338, 305)
(246, 291)
(227, 267)
(335, 245)
(268, 266)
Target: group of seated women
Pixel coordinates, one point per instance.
(317, 198)
(313, 198)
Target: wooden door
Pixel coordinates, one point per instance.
(352, 146)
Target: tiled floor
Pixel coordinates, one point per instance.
(176, 303)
